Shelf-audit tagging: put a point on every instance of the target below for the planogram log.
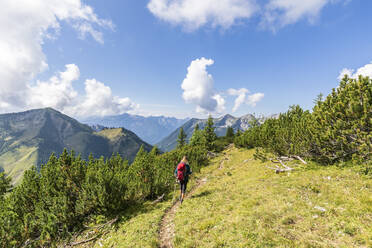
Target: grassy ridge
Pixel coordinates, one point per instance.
(16, 161)
(244, 204)
(112, 134)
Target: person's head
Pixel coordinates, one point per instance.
(184, 159)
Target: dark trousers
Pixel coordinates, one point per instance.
(183, 185)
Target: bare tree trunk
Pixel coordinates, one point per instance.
(278, 169)
(299, 158)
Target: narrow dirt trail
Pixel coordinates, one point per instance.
(167, 230)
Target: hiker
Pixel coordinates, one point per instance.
(182, 173)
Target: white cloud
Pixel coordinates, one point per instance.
(85, 29)
(24, 26)
(99, 101)
(254, 99)
(244, 98)
(193, 14)
(365, 71)
(198, 87)
(279, 13)
(58, 92)
(344, 72)
(284, 12)
(220, 103)
(240, 99)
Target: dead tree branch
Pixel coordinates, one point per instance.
(107, 224)
(160, 198)
(278, 169)
(299, 158)
(87, 240)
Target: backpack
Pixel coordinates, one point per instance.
(181, 171)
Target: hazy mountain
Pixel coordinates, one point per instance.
(28, 138)
(221, 124)
(97, 127)
(262, 119)
(151, 129)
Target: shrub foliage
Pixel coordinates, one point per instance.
(337, 130)
(52, 203)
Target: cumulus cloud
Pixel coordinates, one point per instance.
(193, 14)
(24, 26)
(362, 71)
(99, 101)
(240, 99)
(220, 103)
(243, 97)
(284, 12)
(198, 87)
(254, 99)
(58, 92)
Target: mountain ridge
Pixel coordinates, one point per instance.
(221, 124)
(151, 129)
(28, 138)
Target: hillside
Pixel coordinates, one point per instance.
(151, 129)
(124, 142)
(237, 202)
(221, 124)
(29, 138)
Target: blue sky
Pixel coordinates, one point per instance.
(144, 56)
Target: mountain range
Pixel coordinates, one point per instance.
(151, 129)
(29, 138)
(221, 124)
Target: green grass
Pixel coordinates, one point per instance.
(248, 205)
(16, 161)
(139, 225)
(244, 204)
(113, 134)
(138, 228)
